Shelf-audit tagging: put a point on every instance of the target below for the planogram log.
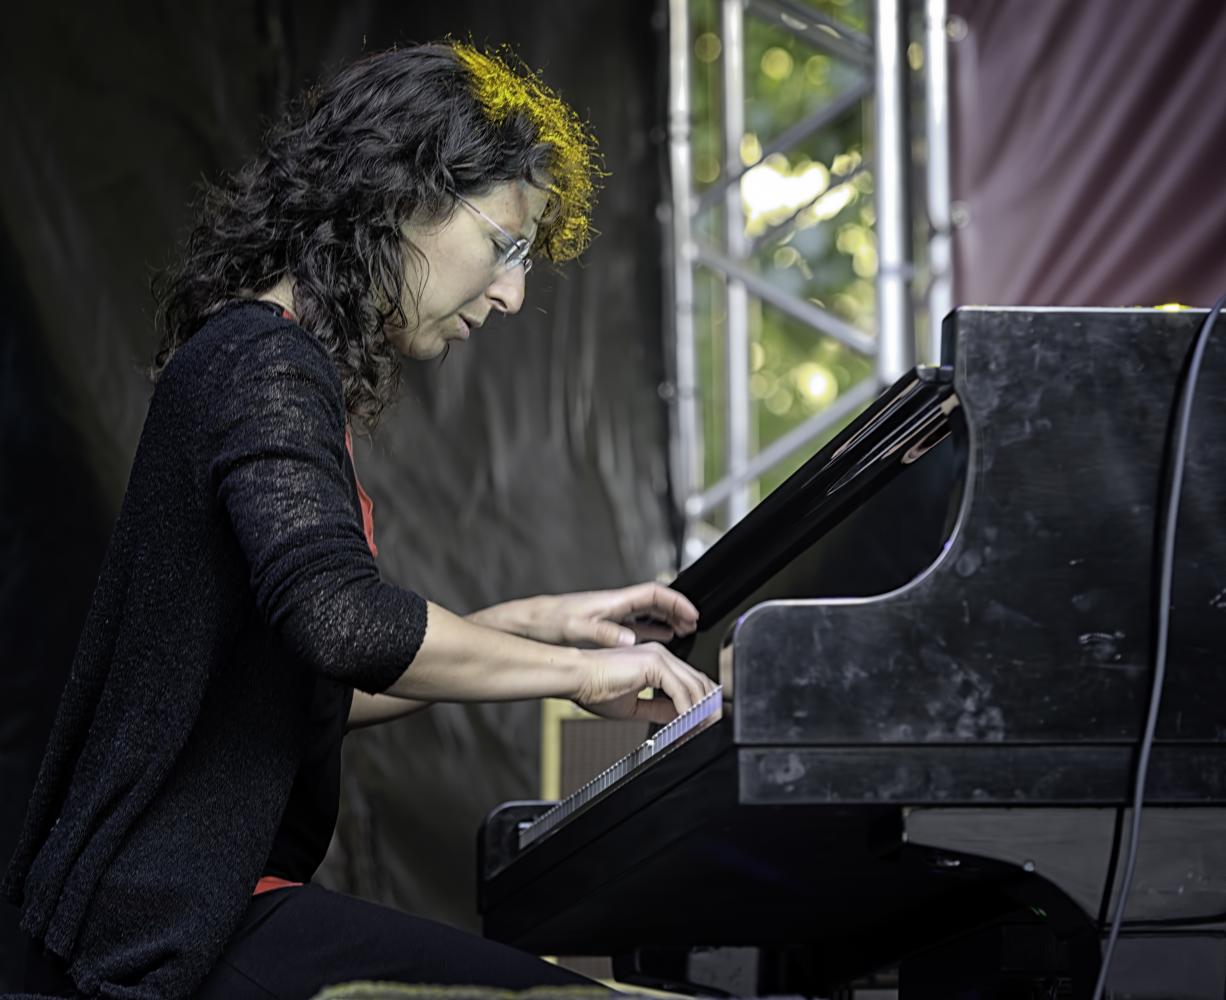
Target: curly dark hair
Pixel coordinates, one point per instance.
(396, 135)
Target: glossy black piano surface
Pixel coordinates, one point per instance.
(899, 769)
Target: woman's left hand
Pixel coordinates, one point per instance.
(645, 612)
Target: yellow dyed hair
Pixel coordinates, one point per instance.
(504, 87)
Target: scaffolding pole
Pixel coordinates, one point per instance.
(895, 328)
(687, 441)
(738, 429)
(936, 111)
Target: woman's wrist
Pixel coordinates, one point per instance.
(517, 617)
(573, 670)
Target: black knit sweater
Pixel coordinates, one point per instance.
(237, 571)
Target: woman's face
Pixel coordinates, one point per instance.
(464, 276)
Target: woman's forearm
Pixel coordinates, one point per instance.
(460, 660)
(373, 709)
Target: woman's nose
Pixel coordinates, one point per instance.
(506, 291)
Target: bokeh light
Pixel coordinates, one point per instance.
(707, 47)
(777, 63)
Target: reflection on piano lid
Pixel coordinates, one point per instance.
(904, 423)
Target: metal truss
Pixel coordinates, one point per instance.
(881, 65)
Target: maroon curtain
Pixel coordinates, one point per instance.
(1090, 151)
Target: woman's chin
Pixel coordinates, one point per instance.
(418, 348)
(429, 351)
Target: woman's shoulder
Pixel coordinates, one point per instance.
(245, 338)
(249, 325)
(241, 352)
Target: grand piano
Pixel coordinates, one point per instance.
(935, 646)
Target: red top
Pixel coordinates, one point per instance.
(368, 506)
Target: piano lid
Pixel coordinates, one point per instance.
(867, 512)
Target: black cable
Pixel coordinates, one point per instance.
(1113, 864)
(1168, 513)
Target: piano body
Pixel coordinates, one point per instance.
(933, 777)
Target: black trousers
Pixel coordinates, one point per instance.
(293, 942)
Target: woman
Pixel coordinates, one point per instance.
(191, 779)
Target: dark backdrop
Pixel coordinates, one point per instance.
(532, 460)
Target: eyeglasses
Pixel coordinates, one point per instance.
(515, 255)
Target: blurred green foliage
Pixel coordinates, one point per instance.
(826, 253)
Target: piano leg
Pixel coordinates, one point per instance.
(1029, 961)
(1013, 961)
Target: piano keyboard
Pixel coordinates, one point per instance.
(686, 723)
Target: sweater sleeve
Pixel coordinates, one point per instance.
(275, 440)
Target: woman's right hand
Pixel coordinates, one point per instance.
(459, 660)
(612, 679)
